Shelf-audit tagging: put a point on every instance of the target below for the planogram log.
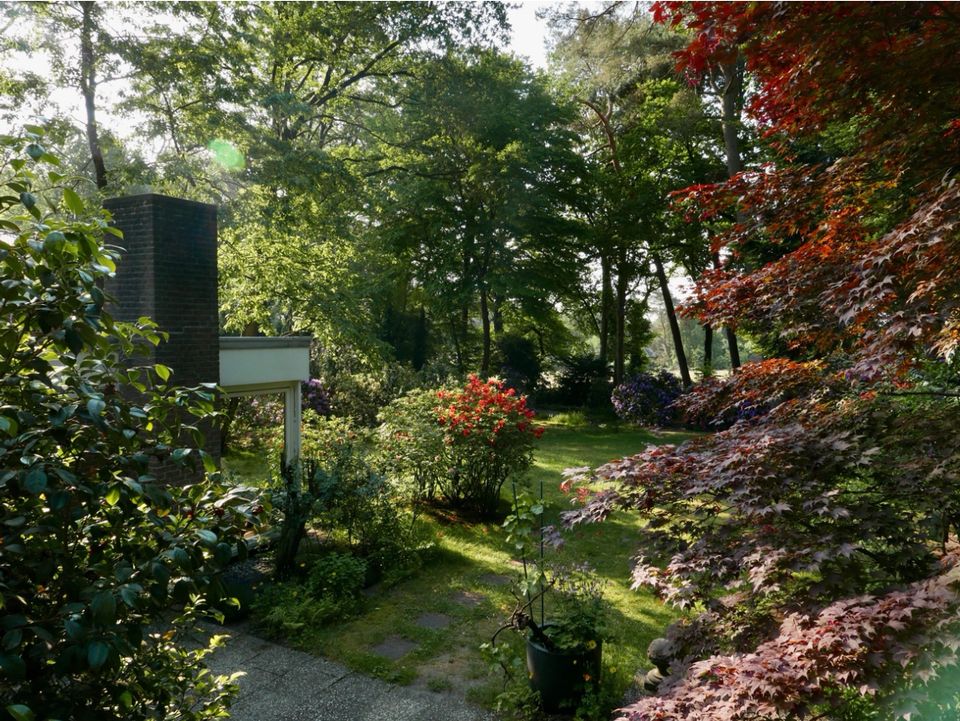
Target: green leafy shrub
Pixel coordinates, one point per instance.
(583, 381)
(578, 613)
(519, 362)
(410, 445)
(338, 575)
(95, 550)
(337, 492)
(365, 509)
(361, 396)
(335, 443)
(330, 592)
(294, 500)
(290, 607)
(333, 450)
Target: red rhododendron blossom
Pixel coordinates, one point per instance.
(477, 437)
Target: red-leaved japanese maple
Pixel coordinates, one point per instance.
(815, 535)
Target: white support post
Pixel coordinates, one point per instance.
(291, 423)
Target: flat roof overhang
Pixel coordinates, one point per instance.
(252, 362)
(253, 365)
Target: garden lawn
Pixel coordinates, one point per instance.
(468, 576)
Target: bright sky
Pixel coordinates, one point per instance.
(529, 32)
(528, 40)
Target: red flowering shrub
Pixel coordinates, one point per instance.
(461, 445)
(489, 433)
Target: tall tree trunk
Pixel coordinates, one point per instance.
(467, 288)
(88, 86)
(540, 342)
(672, 318)
(421, 339)
(498, 315)
(485, 321)
(457, 349)
(606, 306)
(464, 331)
(620, 318)
(731, 335)
(732, 106)
(707, 350)
(734, 347)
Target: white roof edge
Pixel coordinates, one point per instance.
(240, 342)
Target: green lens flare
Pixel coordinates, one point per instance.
(226, 154)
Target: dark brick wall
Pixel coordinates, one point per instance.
(168, 272)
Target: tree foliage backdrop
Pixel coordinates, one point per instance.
(390, 180)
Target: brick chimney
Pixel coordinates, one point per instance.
(168, 272)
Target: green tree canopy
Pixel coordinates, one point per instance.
(475, 176)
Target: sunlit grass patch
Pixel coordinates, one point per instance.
(467, 557)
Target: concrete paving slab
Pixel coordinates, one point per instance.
(355, 697)
(495, 579)
(469, 599)
(435, 621)
(394, 647)
(429, 706)
(237, 650)
(253, 684)
(283, 661)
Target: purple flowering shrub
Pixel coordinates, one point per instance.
(647, 399)
(315, 397)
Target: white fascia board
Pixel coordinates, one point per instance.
(248, 365)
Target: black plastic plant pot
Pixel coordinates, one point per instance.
(561, 677)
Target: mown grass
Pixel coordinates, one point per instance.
(473, 559)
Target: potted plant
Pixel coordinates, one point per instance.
(564, 653)
(560, 609)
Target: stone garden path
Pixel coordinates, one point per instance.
(281, 684)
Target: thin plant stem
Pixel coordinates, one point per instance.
(541, 552)
(516, 510)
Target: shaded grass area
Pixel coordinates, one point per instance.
(252, 467)
(472, 561)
